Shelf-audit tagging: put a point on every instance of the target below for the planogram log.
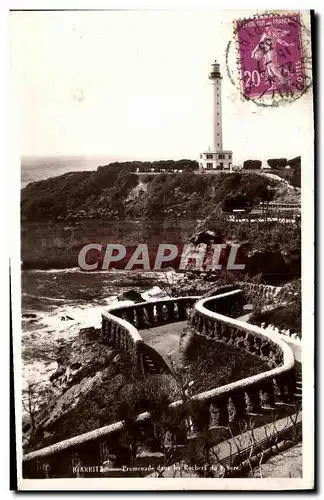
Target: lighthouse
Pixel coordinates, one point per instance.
(216, 158)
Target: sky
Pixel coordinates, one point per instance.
(134, 85)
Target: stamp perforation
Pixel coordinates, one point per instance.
(273, 97)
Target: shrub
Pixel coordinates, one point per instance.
(252, 164)
(277, 162)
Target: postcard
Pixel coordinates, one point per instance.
(163, 276)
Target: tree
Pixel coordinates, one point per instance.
(277, 162)
(295, 162)
(34, 399)
(252, 164)
(167, 281)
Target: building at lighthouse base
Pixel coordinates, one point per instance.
(216, 160)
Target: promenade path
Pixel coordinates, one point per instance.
(165, 339)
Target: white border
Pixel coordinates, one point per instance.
(307, 274)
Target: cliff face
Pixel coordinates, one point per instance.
(83, 366)
(92, 384)
(62, 214)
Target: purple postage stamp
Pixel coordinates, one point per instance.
(270, 55)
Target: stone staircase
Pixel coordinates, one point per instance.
(298, 389)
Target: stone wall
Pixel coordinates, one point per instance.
(222, 406)
(254, 291)
(120, 324)
(250, 394)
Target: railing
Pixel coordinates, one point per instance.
(259, 389)
(266, 216)
(120, 324)
(217, 407)
(259, 291)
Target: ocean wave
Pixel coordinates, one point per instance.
(42, 335)
(43, 297)
(81, 271)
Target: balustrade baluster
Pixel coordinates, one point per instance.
(239, 340)
(200, 323)
(90, 459)
(112, 333)
(238, 402)
(291, 385)
(193, 320)
(107, 330)
(265, 349)
(201, 417)
(170, 308)
(119, 336)
(159, 312)
(176, 311)
(225, 333)
(204, 330)
(253, 400)
(257, 345)
(232, 337)
(222, 407)
(249, 343)
(140, 318)
(103, 328)
(267, 394)
(150, 314)
(76, 464)
(213, 415)
(123, 339)
(182, 311)
(130, 315)
(280, 389)
(165, 313)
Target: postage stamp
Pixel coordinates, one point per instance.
(270, 56)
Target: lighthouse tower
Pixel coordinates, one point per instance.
(216, 158)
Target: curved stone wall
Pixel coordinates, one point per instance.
(250, 394)
(254, 291)
(218, 407)
(120, 324)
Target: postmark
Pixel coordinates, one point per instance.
(271, 58)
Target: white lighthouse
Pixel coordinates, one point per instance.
(216, 158)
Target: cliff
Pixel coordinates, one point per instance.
(62, 214)
(115, 191)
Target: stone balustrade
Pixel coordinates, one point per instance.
(253, 393)
(222, 406)
(120, 324)
(254, 291)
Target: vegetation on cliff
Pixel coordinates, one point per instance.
(116, 191)
(287, 315)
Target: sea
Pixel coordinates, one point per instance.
(57, 303)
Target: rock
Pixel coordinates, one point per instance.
(90, 332)
(131, 295)
(29, 315)
(59, 372)
(66, 318)
(205, 236)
